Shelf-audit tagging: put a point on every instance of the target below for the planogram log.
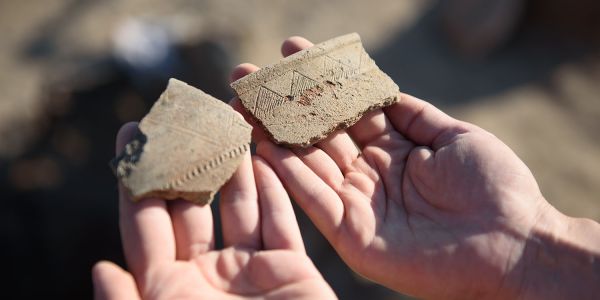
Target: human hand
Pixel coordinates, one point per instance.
(169, 245)
(416, 200)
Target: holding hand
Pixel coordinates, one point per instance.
(169, 246)
(420, 202)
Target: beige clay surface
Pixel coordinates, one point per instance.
(188, 146)
(310, 94)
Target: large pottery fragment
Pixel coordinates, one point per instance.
(309, 94)
(188, 146)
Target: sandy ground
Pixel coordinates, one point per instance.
(538, 94)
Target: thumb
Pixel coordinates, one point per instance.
(111, 282)
(421, 167)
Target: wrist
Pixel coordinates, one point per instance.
(561, 258)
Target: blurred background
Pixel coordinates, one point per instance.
(73, 71)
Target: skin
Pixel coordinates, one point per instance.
(169, 245)
(435, 207)
(409, 197)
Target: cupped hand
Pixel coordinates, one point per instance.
(169, 245)
(414, 199)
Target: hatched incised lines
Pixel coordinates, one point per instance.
(211, 164)
(336, 70)
(266, 101)
(301, 83)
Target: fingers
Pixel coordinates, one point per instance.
(239, 208)
(242, 70)
(125, 134)
(113, 283)
(193, 228)
(341, 148)
(146, 233)
(422, 122)
(371, 126)
(316, 198)
(278, 221)
(322, 164)
(146, 230)
(294, 44)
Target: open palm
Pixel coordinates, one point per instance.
(414, 199)
(234, 274)
(169, 245)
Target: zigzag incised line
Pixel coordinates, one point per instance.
(348, 71)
